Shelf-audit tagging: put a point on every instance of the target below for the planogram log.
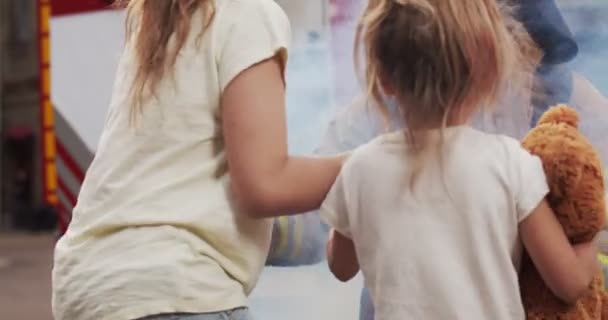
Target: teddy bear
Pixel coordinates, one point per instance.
(576, 194)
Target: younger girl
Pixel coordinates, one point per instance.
(169, 222)
(437, 216)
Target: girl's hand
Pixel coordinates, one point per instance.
(341, 256)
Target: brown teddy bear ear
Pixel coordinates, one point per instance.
(560, 114)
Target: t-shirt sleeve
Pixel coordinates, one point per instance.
(259, 30)
(529, 181)
(335, 209)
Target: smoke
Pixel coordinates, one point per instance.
(587, 21)
(314, 75)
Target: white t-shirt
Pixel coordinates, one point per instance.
(155, 229)
(449, 248)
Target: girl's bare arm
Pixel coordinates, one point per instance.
(266, 180)
(567, 270)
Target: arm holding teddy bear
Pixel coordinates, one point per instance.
(567, 270)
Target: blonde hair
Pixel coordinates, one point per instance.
(160, 28)
(442, 59)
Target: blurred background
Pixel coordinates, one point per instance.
(20, 94)
(57, 60)
(27, 222)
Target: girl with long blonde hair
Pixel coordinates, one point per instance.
(171, 221)
(437, 215)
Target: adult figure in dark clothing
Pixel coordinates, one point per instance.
(546, 25)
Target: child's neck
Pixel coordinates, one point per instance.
(460, 119)
(448, 124)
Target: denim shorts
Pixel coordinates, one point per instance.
(236, 314)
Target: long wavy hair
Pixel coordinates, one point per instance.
(159, 29)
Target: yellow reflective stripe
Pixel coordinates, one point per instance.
(53, 199)
(45, 17)
(49, 145)
(46, 80)
(46, 108)
(45, 56)
(51, 176)
(297, 240)
(284, 235)
(48, 114)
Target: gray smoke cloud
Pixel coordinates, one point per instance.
(586, 19)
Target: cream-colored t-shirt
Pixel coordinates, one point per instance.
(450, 248)
(155, 230)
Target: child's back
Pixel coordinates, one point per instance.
(449, 249)
(437, 216)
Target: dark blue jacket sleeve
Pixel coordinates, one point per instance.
(546, 25)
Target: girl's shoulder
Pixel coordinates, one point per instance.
(368, 154)
(497, 139)
(254, 18)
(506, 150)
